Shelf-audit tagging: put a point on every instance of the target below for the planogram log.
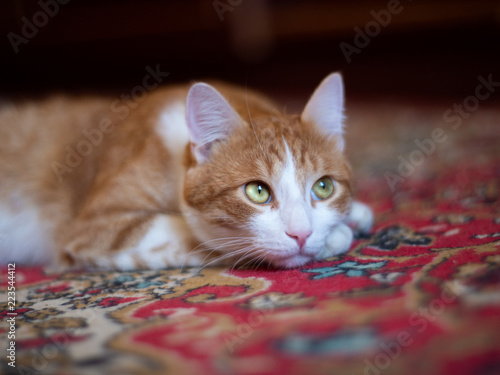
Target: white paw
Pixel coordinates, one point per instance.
(360, 217)
(337, 242)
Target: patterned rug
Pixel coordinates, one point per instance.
(419, 295)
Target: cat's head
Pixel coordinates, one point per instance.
(262, 185)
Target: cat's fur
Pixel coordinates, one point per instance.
(97, 182)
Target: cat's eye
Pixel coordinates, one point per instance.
(323, 188)
(258, 192)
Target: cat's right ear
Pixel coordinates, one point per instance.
(325, 108)
(210, 118)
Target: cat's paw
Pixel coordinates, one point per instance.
(337, 242)
(361, 217)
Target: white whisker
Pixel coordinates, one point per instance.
(242, 248)
(263, 256)
(251, 253)
(246, 251)
(225, 241)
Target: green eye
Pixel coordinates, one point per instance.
(322, 188)
(257, 192)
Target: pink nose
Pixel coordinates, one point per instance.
(300, 237)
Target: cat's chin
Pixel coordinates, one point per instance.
(292, 261)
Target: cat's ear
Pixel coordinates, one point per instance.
(210, 118)
(325, 108)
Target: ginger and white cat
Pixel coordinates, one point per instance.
(200, 174)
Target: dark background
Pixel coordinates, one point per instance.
(429, 50)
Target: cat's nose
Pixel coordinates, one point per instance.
(300, 236)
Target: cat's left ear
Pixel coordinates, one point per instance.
(210, 119)
(325, 108)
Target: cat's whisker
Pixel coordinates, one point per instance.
(246, 254)
(240, 246)
(191, 253)
(216, 248)
(263, 259)
(226, 241)
(257, 253)
(232, 254)
(252, 252)
(216, 259)
(244, 264)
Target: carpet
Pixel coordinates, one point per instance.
(419, 294)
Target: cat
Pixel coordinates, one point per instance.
(193, 175)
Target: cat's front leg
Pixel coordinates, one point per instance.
(360, 217)
(165, 241)
(338, 241)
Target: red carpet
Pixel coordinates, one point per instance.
(420, 295)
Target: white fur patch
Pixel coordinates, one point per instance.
(295, 212)
(172, 128)
(166, 244)
(338, 241)
(23, 236)
(361, 217)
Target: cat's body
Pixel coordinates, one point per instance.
(98, 182)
